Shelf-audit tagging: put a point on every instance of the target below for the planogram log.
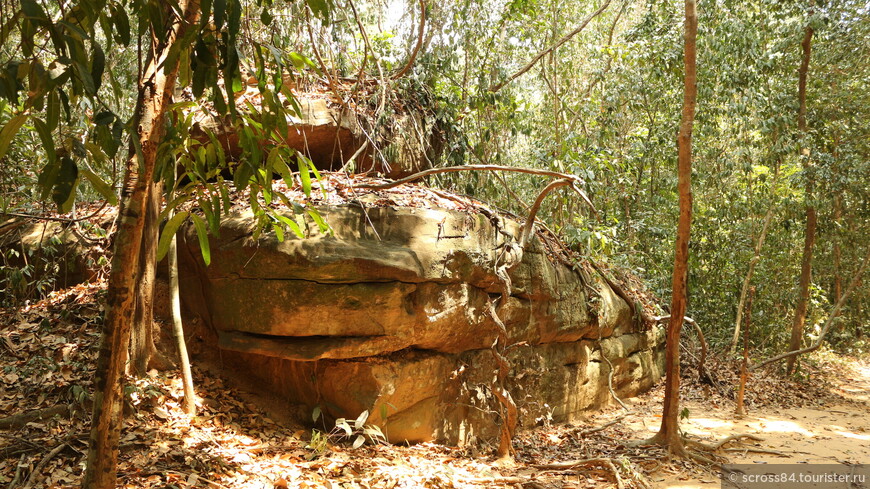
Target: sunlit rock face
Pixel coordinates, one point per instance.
(391, 314)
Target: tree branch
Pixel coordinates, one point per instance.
(575, 180)
(416, 50)
(550, 49)
(833, 316)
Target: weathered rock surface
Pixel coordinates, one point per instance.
(391, 314)
(57, 253)
(331, 136)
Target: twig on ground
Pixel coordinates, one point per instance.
(31, 479)
(602, 427)
(600, 462)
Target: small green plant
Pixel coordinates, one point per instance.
(345, 430)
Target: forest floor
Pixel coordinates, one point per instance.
(47, 354)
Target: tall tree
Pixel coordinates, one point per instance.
(800, 313)
(154, 94)
(669, 434)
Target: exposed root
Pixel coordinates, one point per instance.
(599, 462)
(716, 446)
(20, 420)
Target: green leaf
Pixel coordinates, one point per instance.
(101, 186)
(63, 193)
(291, 224)
(33, 10)
(45, 136)
(235, 17)
(9, 131)
(104, 118)
(168, 232)
(321, 8)
(279, 231)
(86, 79)
(202, 235)
(220, 11)
(324, 228)
(122, 25)
(315, 414)
(360, 439)
(304, 176)
(98, 64)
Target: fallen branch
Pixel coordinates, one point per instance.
(833, 316)
(451, 169)
(550, 49)
(757, 450)
(57, 219)
(19, 467)
(724, 441)
(31, 479)
(20, 420)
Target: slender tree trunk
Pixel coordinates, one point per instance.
(669, 434)
(155, 92)
(746, 280)
(189, 403)
(800, 314)
(838, 283)
(744, 367)
(142, 347)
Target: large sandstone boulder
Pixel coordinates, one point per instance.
(391, 314)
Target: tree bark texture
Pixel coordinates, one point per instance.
(669, 434)
(800, 313)
(155, 92)
(142, 347)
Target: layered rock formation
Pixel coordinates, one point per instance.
(391, 314)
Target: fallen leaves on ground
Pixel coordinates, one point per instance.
(48, 352)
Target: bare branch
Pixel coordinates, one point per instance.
(413, 57)
(556, 45)
(831, 318)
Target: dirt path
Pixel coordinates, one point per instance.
(835, 432)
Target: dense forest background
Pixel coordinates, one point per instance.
(515, 83)
(778, 151)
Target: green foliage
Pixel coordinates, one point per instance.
(604, 106)
(344, 430)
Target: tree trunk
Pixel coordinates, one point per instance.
(838, 283)
(800, 314)
(188, 405)
(155, 92)
(746, 280)
(669, 434)
(740, 410)
(142, 347)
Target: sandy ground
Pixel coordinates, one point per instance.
(833, 433)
